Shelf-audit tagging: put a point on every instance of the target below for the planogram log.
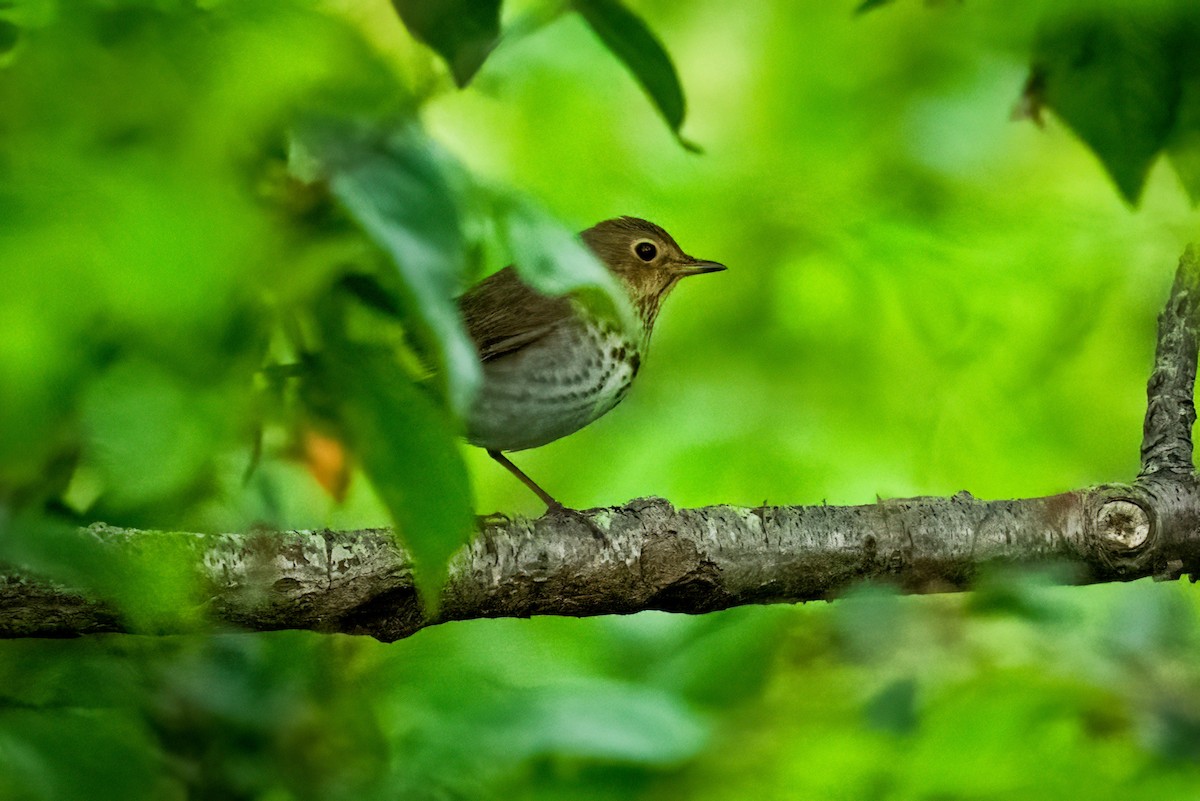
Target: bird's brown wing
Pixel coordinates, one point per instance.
(504, 315)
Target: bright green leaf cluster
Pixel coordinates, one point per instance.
(388, 179)
(230, 244)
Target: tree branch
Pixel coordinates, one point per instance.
(1170, 412)
(691, 560)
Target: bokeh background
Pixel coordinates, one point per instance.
(924, 296)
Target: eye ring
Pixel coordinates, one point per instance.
(645, 250)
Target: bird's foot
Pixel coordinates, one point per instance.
(493, 519)
(557, 508)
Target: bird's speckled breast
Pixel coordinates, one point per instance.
(553, 387)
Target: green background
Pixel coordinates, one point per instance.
(923, 296)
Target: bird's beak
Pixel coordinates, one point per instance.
(698, 267)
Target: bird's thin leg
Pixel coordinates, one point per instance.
(551, 504)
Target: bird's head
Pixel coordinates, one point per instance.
(645, 258)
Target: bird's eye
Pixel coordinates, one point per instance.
(645, 250)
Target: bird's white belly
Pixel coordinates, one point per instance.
(551, 388)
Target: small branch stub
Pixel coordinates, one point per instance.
(1123, 525)
(1170, 410)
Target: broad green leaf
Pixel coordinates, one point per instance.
(393, 185)
(406, 445)
(1114, 81)
(628, 38)
(463, 32)
(554, 261)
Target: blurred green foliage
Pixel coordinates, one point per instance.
(233, 229)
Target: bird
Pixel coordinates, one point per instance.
(550, 365)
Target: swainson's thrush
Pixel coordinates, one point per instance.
(550, 366)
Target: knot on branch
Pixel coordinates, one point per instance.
(1123, 525)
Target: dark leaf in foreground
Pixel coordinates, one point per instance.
(393, 185)
(1114, 81)
(406, 445)
(628, 38)
(463, 32)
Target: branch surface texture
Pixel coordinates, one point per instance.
(654, 556)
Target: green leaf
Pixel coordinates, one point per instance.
(628, 38)
(406, 445)
(1114, 81)
(463, 32)
(554, 260)
(393, 185)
